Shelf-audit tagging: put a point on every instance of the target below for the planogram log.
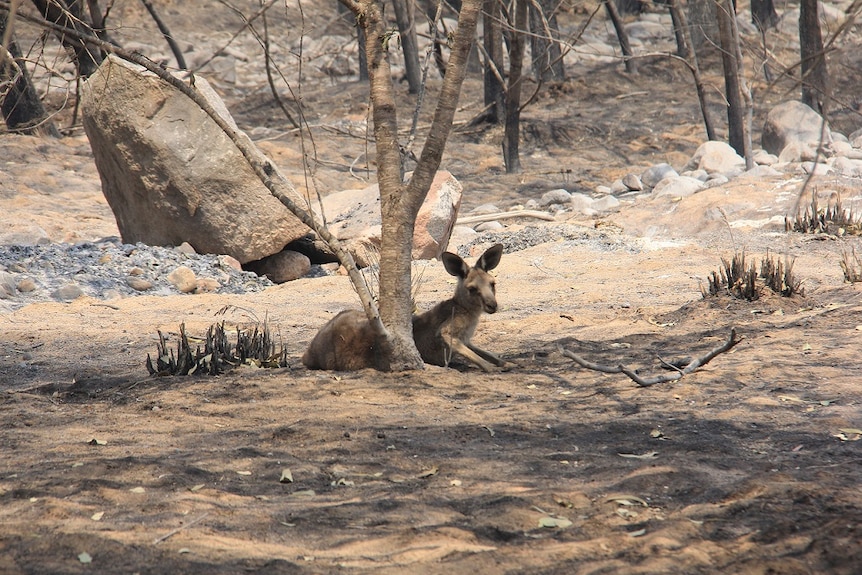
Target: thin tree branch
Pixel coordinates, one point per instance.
(693, 366)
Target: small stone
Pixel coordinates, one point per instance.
(618, 187)
(183, 279)
(7, 285)
(606, 204)
(207, 285)
(632, 182)
(136, 272)
(281, 267)
(489, 226)
(105, 258)
(26, 285)
(582, 204)
(230, 262)
(678, 187)
(558, 196)
(657, 173)
(138, 283)
(186, 248)
(68, 292)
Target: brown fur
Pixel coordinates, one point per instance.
(448, 327)
(349, 342)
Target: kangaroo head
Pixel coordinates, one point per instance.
(476, 287)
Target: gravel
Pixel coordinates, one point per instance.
(105, 269)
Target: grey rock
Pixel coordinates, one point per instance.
(26, 285)
(138, 283)
(8, 285)
(606, 204)
(678, 187)
(494, 226)
(582, 204)
(558, 196)
(171, 175)
(282, 267)
(793, 121)
(716, 158)
(67, 292)
(632, 182)
(354, 217)
(657, 173)
(184, 279)
(764, 158)
(847, 167)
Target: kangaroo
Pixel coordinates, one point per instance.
(350, 342)
(448, 327)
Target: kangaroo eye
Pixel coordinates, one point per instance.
(473, 290)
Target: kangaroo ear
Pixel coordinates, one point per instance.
(455, 265)
(490, 258)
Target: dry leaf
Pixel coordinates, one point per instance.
(197, 487)
(243, 472)
(97, 516)
(627, 500)
(137, 490)
(428, 472)
(558, 522)
(637, 533)
(648, 455)
(85, 557)
(286, 476)
(95, 441)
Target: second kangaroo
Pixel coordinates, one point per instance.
(448, 327)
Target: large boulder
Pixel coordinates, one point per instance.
(354, 217)
(171, 175)
(795, 123)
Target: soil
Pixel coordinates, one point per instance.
(749, 465)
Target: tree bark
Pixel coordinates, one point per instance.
(512, 136)
(611, 8)
(493, 70)
(686, 49)
(21, 107)
(400, 202)
(86, 57)
(763, 14)
(405, 16)
(547, 57)
(735, 123)
(814, 75)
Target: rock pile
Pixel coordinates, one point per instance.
(110, 269)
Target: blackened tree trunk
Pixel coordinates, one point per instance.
(544, 42)
(686, 51)
(512, 136)
(735, 112)
(623, 38)
(405, 16)
(492, 41)
(763, 14)
(21, 107)
(86, 57)
(814, 75)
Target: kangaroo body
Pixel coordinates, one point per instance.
(349, 342)
(448, 327)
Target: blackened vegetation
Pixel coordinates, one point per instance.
(834, 220)
(742, 281)
(253, 347)
(851, 265)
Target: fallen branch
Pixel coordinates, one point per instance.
(692, 366)
(173, 532)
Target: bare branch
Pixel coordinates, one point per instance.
(693, 366)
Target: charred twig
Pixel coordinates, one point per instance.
(693, 366)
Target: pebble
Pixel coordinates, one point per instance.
(108, 268)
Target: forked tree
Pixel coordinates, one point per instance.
(400, 200)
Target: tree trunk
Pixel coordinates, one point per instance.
(611, 8)
(399, 202)
(763, 14)
(547, 57)
(86, 58)
(686, 48)
(735, 124)
(405, 16)
(512, 136)
(814, 75)
(493, 71)
(21, 107)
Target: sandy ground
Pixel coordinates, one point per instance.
(750, 465)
